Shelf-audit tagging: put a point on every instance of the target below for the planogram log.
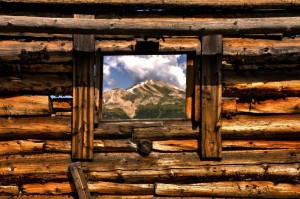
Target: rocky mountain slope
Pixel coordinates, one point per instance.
(148, 99)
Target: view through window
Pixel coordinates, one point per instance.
(144, 86)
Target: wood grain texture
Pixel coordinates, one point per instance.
(231, 189)
(21, 147)
(25, 105)
(80, 181)
(36, 85)
(190, 70)
(211, 96)
(83, 94)
(156, 27)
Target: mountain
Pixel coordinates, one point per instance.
(147, 99)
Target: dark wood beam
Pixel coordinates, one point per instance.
(150, 26)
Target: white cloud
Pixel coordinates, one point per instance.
(162, 67)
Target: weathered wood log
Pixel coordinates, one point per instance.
(152, 26)
(54, 51)
(21, 146)
(80, 4)
(189, 160)
(263, 127)
(25, 105)
(99, 145)
(117, 188)
(261, 85)
(275, 172)
(62, 104)
(192, 145)
(9, 189)
(231, 189)
(36, 85)
(35, 128)
(288, 105)
(241, 127)
(98, 197)
(49, 188)
(61, 51)
(20, 68)
(96, 187)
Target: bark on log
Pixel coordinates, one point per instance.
(25, 105)
(21, 147)
(80, 4)
(150, 26)
(36, 85)
(35, 128)
(231, 189)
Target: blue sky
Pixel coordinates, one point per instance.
(124, 71)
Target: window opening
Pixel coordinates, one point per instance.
(144, 86)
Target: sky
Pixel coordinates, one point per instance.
(126, 70)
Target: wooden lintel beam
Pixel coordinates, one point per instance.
(211, 96)
(150, 26)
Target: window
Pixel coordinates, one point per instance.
(144, 86)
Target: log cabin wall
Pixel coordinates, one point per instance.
(260, 123)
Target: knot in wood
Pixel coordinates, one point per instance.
(144, 147)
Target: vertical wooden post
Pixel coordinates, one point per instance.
(98, 87)
(197, 91)
(189, 86)
(83, 95)
(211, 96)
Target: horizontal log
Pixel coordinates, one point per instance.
(240, 127)
(54, 51)
(98, 197)
(277, 165)
(275, 172)
(288, 105)
(189, 160)
(231, 189)
(192, 145)
(96, 187)
(164, 4)
(150, 26)
(36, 85)
(21, 147)
(261, 85)
(9, 190)
(7, 68)
(25, 105)
(99, 145)
(116, 188)
(263, 127)
(49, 188)
(61, 51)
(35, 128)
